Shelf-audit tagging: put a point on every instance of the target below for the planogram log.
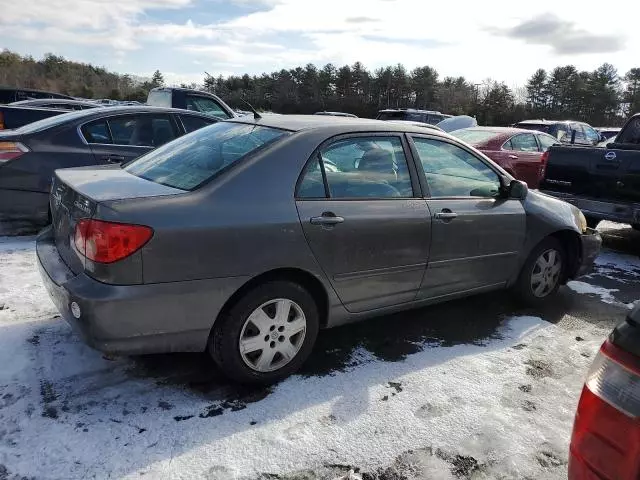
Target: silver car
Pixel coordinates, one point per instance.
(246, 237)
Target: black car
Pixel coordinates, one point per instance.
(58, 103)
(29, 155)
(566, 131)
(13, 94)
(411, 114)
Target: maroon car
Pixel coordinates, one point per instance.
(520, 152)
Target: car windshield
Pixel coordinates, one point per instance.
(190, 161)
(51, 122)
(475, 137)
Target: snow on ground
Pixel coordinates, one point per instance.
(500, 406)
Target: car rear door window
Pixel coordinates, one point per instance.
(205, 105)
(141, 130)
(359, 167)
(525, 142)
(97, 132)
(192, 160)
(507, 145)
(452, 171)
(192, 123)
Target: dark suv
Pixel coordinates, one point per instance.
(410, 114)
(564, 130)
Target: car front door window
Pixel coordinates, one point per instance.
(591, 135)
(205, 105)
(452, 171)
(546, 141)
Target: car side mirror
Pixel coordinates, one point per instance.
(518, 190)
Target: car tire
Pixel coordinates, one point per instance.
(535, 291)
(273, 346)
(593, 222)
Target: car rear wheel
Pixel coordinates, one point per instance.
(542, 272)
(266, 335)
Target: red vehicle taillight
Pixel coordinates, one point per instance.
(108, 242)
(543, 163)
(1, 121)
(606, 434)
(11, 151)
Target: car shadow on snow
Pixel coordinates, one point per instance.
(471, 321)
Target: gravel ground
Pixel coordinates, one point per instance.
(477, 388)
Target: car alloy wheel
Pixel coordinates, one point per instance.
(272, 335)
(546, 273)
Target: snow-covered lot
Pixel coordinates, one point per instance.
(472, 389)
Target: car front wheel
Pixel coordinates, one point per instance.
(267, 334)
(542, 272)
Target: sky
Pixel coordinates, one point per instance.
(503, 40)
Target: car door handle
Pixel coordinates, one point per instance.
(513, 157)
(446, 215)
(113, 158)
(327, 218)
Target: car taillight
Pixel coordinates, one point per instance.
(543, 163)
(1, 121)
(108, 242)
(606, 432)
(11, 151)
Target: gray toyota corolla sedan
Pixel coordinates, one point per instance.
(246, 237)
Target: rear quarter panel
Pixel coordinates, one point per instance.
(243, 223)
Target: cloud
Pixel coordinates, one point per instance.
(361, 19)
(563, 36)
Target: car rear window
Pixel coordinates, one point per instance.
(192, 160)
(475, 137)
(400, 115)
(540, 127)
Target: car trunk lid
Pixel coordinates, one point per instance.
(76, 194)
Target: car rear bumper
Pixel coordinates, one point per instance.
(23, 206)
(591, 243)
(613, 211)
(134, 319)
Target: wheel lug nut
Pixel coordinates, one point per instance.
(273, 344)
(281, 338)
(281, 328)
(266, 338)
(272, 328)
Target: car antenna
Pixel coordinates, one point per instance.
(256, 115)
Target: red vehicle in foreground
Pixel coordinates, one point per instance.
(606, 434)
(520, 152)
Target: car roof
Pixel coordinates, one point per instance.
(409, 110)
(138, 109)
(505, 130)
(296, 123)
(64, 101)
(546, 122)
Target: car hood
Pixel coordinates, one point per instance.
(110, 182)
(457, 123)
